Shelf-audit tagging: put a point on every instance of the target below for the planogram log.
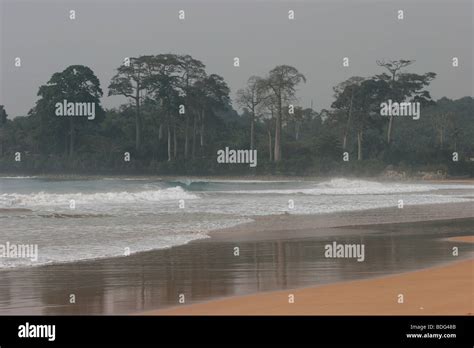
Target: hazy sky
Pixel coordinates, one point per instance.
(258, 32)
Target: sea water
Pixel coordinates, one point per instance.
(72, 220)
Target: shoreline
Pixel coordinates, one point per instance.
(276, 252)
(289, 226)
(373, 296)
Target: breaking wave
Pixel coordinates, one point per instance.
(52, 199)
(349, 187)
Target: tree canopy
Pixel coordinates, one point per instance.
(177, 116)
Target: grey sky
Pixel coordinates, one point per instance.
(258, 32)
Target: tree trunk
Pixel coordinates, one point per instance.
(389, 131)
(359, 145)
(194, 136)
(390, 121)
(346, 130)
(270, 152)
(175, 143)
(252, 132)
(186, 138)
(138, 123)
(202, 130)
(277, 155)
(169, 143)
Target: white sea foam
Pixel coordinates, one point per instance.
(88, 241)
(355, 187)
(54, 199)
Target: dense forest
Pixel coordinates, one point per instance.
(178, 115)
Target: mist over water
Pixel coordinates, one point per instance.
(112, 214)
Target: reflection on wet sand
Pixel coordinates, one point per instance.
(207, 269)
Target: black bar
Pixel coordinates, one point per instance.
(315, 330)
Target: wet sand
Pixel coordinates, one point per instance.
(275, 253)
(286, 225)
(444, 290)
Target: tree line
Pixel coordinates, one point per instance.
(177, 116)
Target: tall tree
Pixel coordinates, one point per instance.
(366, 107)
(344, 94)
(213, 95)
(404, 86)
(130, 82)
(192, 70)
(267, 108)
(163, 83)
(282, 82)
(76, 84)
(251, 97)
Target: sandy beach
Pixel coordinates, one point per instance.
(445, 290)
(442, 290)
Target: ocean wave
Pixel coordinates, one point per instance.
(348, 187)
(54, 199)
(113, 240)
(189, 182)
(55, 255)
